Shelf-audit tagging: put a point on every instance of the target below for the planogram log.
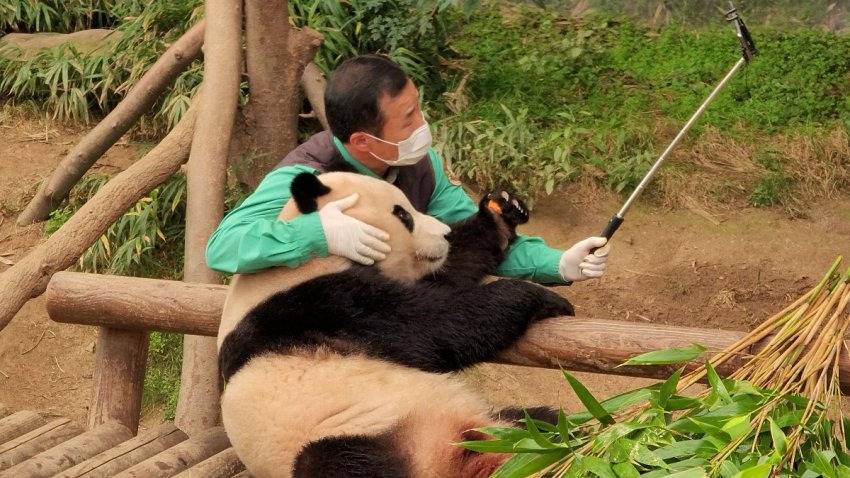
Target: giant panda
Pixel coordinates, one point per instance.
(335, 369)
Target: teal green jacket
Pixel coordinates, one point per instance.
(251, 237)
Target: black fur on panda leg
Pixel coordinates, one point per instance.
(516, 414)
(463, 329)
(350, 457)
(431, 329)
(477, 245)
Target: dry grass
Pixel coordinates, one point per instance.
(716, 173)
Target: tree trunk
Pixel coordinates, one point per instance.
(137, 102)
(28, 278)
(276, 55)
(197, 406)
(313, 83)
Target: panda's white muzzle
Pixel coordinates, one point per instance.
(429, 235)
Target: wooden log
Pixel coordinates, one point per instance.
(30, 444)
(197, 403)
(137, 102)
(127, 454)
(119, 374)
(244, 474)
(29, 277)
(221, 465)
(135, 303)
(19, 423)
(583, 344)
(276, 54)
(73, 451)
(313, 83)
(181, 456)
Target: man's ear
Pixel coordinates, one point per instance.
(359, 141)
(306, 188)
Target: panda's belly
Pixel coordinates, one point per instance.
(276, 404)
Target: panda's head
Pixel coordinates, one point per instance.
(418, 241)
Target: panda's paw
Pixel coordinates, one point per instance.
(508, 207)
(553, 305)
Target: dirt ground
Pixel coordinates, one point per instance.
(670, 267)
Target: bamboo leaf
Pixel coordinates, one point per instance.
(717, 384)
(625, 470)
(589, 401)
(780, 443)
(526, 464)
(668, 388)
(758, 471)
(598, 467)
(667, 356)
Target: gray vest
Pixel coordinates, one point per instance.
(416, 182)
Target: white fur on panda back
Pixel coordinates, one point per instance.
(274, 407)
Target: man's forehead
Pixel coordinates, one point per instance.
(405, 101)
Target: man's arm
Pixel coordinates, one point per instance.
(251, 237)
(528, 257)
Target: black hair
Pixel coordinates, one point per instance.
(351, 96)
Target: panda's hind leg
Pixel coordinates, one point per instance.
(351, 457)
(517, 414)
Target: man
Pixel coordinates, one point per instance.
(378, 129)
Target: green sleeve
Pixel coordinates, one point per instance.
(251, 237)
(527, 258)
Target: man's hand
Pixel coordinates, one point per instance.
(349, 237)
(578, 263)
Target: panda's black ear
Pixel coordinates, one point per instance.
(305, 188)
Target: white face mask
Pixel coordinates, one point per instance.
(410, 150)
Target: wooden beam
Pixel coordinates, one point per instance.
(582, 344)
(71, 452)
(127, 454)
(119, 373)
(42, 438)
(135, 304)
(181, 456)
(19, 423)
(221, 465)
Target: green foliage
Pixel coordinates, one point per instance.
(162, 376)
(507, 153)
(622, 90)
(59, 15)
(674, 436)
(770, 189)
(774, 185)
(146, 241)
(69, 83)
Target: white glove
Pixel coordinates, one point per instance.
(578, 264)
(349, 237)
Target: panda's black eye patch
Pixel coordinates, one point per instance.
(403, 216)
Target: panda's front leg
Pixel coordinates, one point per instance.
(460, 328)
(477, 245)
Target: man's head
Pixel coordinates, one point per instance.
(371, 106)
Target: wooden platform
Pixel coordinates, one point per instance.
(39, 445)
